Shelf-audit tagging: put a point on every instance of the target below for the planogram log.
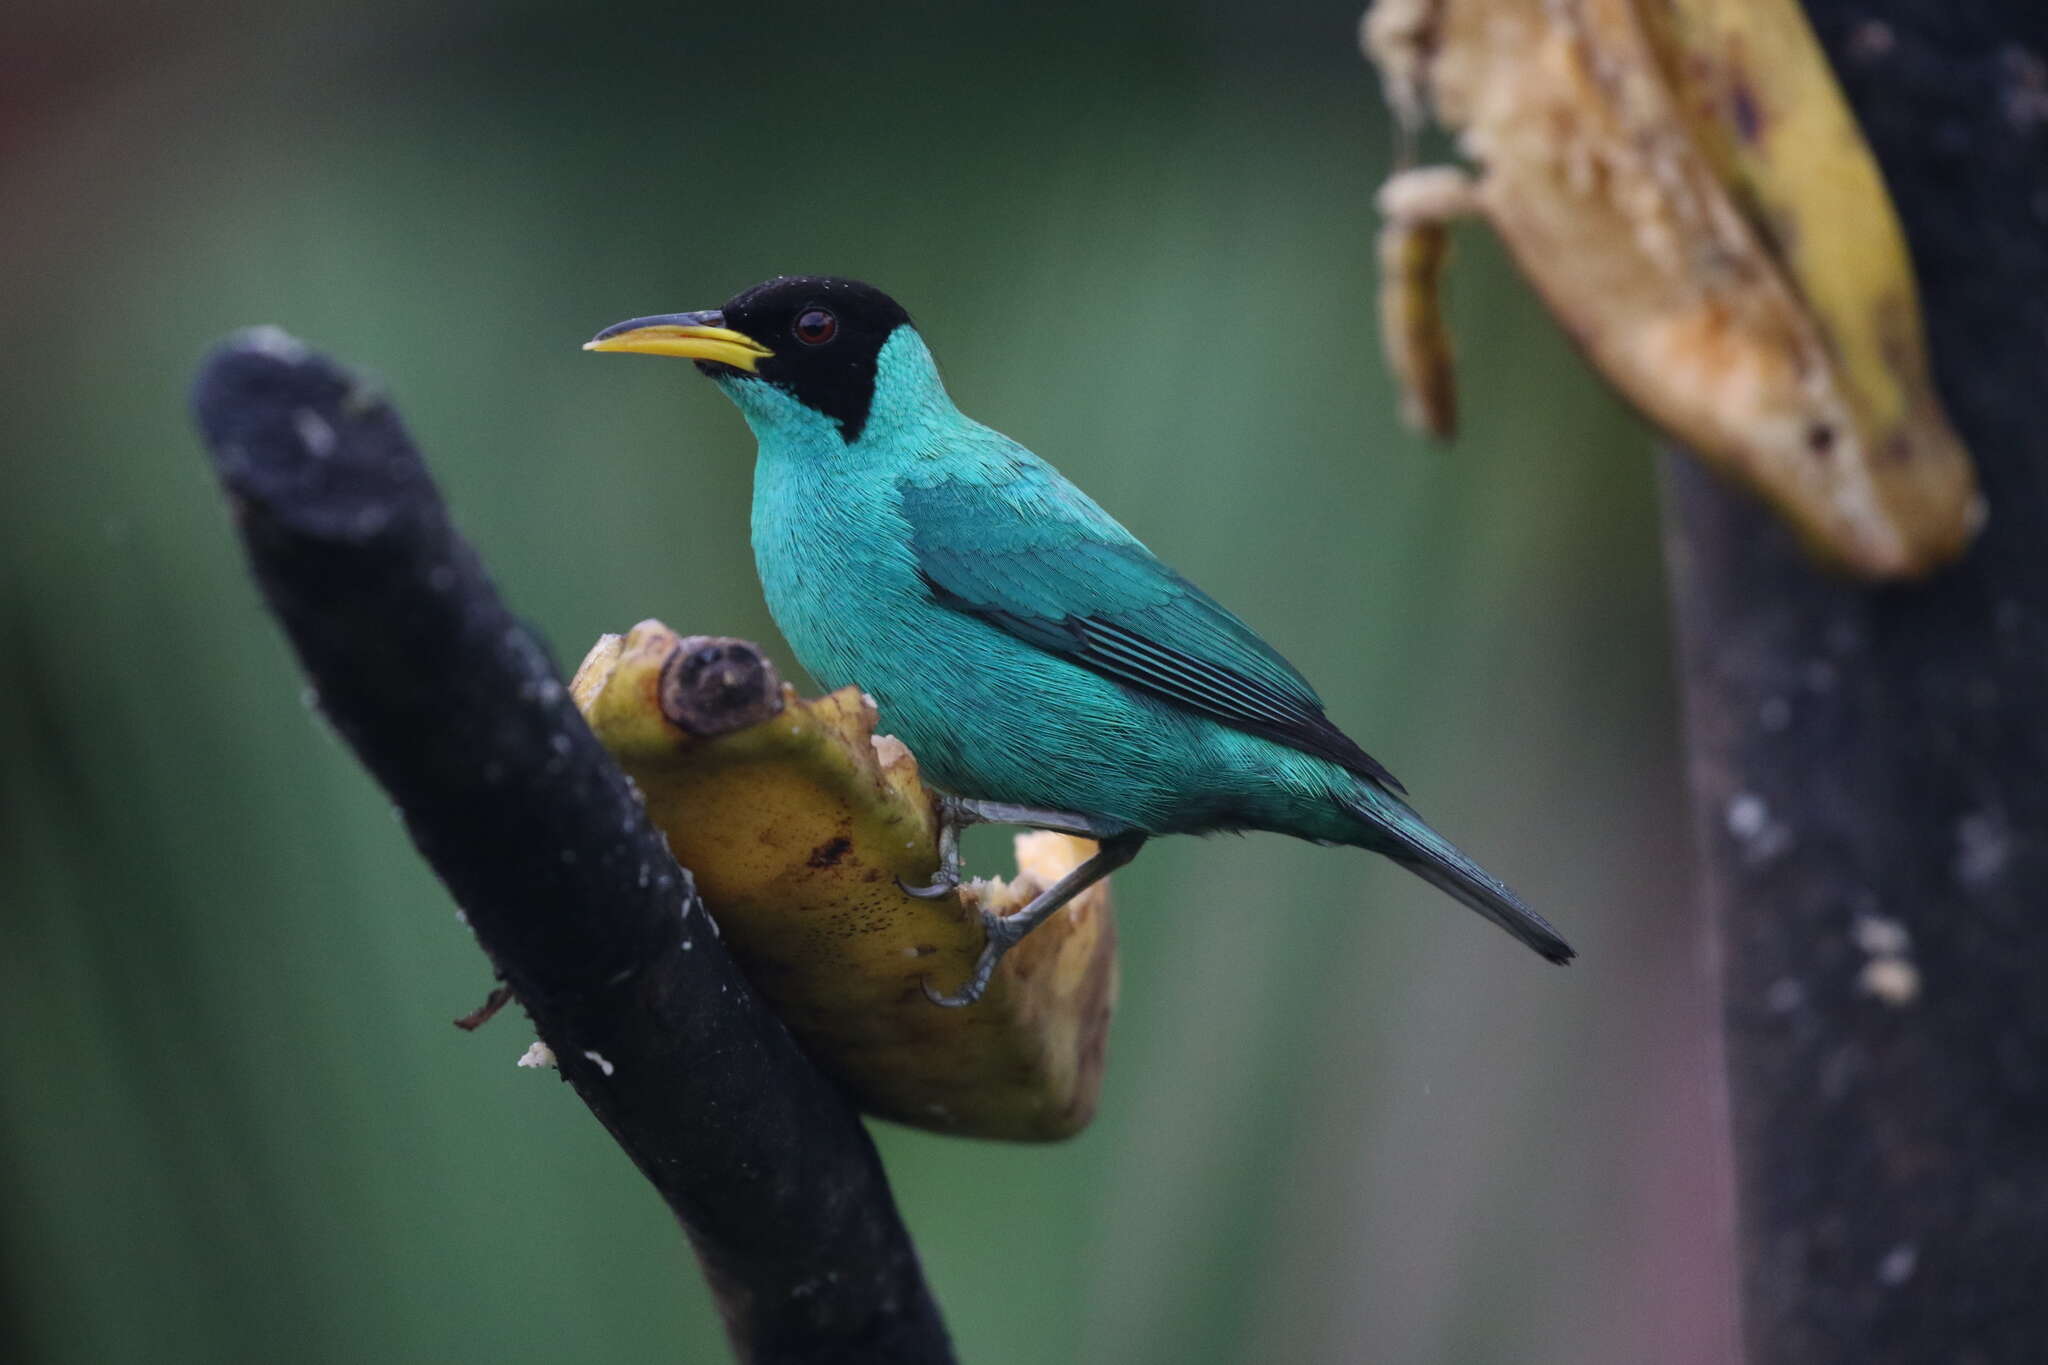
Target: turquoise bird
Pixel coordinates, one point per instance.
(1044, 666)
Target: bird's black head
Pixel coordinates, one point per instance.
(815, 337)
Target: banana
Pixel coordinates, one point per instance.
(1414, 249)
(1684, 185)
(800, 825)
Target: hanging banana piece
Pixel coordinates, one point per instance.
(801, 825)
(1684, 185)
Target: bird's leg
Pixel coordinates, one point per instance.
(1032, 817)
(958, 812)
(1004, 931)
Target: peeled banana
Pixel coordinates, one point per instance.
(800, 824)
(1683, 183)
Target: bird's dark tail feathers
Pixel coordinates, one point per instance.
(1430, 856)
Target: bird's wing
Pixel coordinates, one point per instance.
(1032, 554)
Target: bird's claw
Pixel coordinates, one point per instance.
(969, 993)
(1003, 931)
(955, 813)
(952, 814)
(1001, 936)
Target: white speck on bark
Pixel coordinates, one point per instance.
(1784, 996)
(316, 433)
(1898, 1265)
(1890, 975)
(1880, 937)
(540, 1054)
(1983, 847)
(1748, 818)
(602, 1064)
(1894, 980)
(275, 342)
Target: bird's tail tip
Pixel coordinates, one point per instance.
(1469, 884)
(1437, 861)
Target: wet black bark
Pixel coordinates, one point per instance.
(1870, 774)
(458, 711)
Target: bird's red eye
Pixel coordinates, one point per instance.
(815, 326)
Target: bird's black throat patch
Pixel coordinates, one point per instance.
(836, 376)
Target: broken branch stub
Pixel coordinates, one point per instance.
(713, 685)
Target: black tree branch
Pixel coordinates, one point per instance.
(1870, 773)
(457, 710)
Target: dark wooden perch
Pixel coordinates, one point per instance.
(458, 711)
(1870, 773)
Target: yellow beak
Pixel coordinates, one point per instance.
(693, 336)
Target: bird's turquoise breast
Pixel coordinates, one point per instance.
(986, 715)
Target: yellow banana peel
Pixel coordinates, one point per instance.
(1414, 249)
(1684, 185)
(799, 824)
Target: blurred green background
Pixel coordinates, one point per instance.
(1345, 1120)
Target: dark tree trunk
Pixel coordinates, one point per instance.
(1869, 768)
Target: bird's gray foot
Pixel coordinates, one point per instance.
(957, 812)
(1005, 931)
(1001, 937)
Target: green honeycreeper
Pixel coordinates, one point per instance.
(1042, 664)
